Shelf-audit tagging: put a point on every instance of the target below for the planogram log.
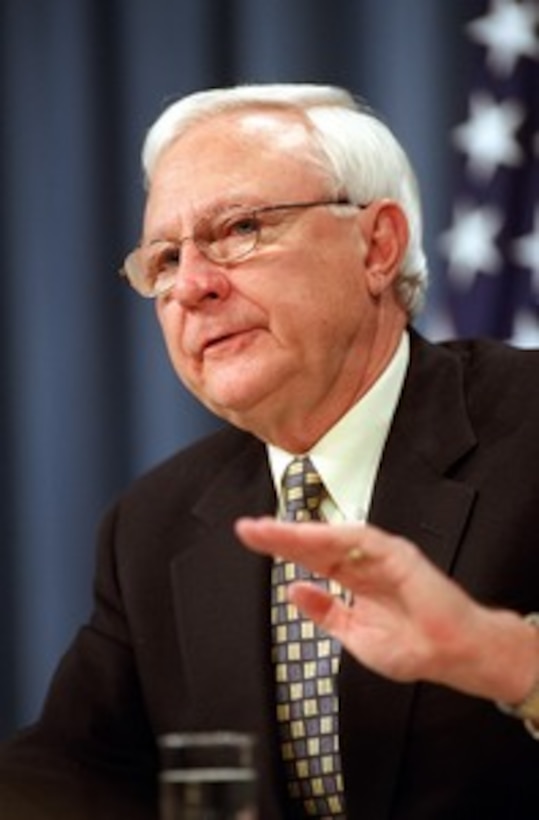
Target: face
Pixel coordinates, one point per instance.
(285, 340)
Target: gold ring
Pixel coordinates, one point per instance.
(355, 555)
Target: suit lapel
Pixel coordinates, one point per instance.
(414, 493)
(415, 497)
(222, 607)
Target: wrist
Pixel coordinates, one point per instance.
(500, 659)
(526, 707)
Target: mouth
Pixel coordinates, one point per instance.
(228, 343)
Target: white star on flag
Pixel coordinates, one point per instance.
(526, 330)
(508, 32)
(488, 138)
(470, 244)
(526, 252)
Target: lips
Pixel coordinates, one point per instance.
(220, 341)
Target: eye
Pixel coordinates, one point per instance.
(243, 225)
(162, 260)
(232, 236)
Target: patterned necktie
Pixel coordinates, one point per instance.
(306, 662)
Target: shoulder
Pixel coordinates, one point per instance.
(157, 507)
(493, 354)
(483, 366)
(483, 389)
(497, 372)
(194, 467)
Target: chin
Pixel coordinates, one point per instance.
(231, 408)
(235, 406)
(238, 393)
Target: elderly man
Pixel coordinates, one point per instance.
(282, 245)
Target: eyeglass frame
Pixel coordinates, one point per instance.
(130, 270)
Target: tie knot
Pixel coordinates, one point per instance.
(302, 491)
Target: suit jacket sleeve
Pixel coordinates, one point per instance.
(91, 754)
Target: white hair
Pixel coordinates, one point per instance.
(361, 154)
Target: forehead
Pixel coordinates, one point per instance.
(253, 154)
(252, 132)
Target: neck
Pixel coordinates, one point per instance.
(298, 428)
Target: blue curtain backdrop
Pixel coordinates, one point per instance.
(88, 399)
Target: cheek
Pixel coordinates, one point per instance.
(170, 322)
(326, 307)
(160, 312)
(332, 273)
(163, 318)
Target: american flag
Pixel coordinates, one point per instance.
(491, 249)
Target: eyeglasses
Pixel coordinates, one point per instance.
(224, 238)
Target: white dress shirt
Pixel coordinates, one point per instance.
(348, 455)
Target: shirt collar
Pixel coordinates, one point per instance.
(348, 455)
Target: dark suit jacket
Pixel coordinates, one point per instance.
(180, 636)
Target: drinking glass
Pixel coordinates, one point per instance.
(207, 776)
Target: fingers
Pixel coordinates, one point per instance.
(312, 601)
(355, 555)
(292, 540)
(327, 549)
(328, 612)
(363, 558)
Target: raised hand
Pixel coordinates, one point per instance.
(402, 617)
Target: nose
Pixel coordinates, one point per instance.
(198, 279)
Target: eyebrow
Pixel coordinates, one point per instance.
(167, 234)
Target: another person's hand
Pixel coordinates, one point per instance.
(403, 618)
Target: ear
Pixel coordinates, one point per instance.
(387, 236)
